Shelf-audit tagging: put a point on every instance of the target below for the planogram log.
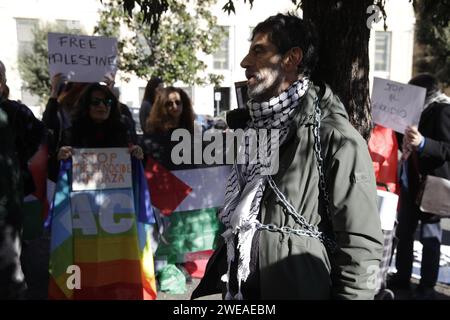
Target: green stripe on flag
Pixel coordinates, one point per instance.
(189, 231)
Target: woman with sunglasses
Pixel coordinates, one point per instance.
(172, 110)
(97, 123)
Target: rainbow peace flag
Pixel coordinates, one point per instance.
(100, 240)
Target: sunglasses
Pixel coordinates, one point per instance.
(170, 103)
(96, 102)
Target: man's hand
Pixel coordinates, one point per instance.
(413, 137)
(57, 81)
(109, 80)
(411, 141)
(65, 153)
(136, 151)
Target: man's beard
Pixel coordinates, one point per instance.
(268, 82)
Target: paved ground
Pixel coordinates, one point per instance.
(187, 295)
(35, 256)
(443, 293)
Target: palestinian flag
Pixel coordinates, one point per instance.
(188, 197)
(103, 238)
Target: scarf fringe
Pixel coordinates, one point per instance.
(246, 183)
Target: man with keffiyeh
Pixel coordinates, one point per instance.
(311, 229)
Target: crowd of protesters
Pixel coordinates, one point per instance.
(90, 115)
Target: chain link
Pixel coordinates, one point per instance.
(308, 229)
(299, 232)
(318, 154)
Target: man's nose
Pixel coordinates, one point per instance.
(245, 63)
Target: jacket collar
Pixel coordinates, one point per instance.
(329, 104)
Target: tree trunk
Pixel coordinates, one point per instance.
(344, 54)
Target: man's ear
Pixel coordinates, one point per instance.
(292, 58)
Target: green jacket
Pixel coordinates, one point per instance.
(299, 267)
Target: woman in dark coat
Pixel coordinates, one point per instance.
(97, 123)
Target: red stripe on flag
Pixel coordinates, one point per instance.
(196, 262)
(166, 190)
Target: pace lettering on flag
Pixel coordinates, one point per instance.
(105, 232)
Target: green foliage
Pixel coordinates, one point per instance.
(433, 38)
(33, 66)
(170, 53)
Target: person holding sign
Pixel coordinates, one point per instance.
(108, 238)
(426, 149)
(57, 115)
(97, 123)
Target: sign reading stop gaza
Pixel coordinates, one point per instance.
(82, 58)
(396, 105)
(100, 169)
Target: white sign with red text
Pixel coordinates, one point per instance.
(102, 168)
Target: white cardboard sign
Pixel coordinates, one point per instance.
(82, 58)
(101, 168)
(396, 105)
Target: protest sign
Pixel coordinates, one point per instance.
(396, 105)
(98, 169)
(82, 58)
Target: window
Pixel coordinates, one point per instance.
(25, 36)
(221, 100)
(25, 39)
(250, 32)
(141, 94)
(221, 56)
(189, 91)
(382, 51)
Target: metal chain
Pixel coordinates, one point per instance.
(288, 208)
(318, 154)
(308, 229)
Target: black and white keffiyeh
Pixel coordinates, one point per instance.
(247, 181)
(438, 97)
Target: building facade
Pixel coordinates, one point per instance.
(391, 51)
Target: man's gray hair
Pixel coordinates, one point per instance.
(2, 72)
